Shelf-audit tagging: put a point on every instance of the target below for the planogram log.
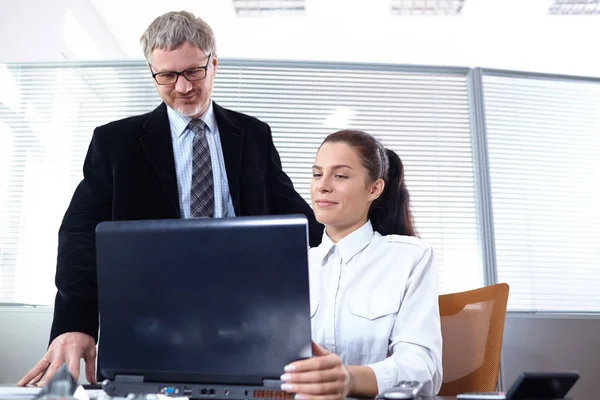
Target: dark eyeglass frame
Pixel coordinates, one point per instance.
(185, 73)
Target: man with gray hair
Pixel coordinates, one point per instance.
(187, 158)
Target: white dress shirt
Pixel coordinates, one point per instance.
(182, 139)
(374, 302)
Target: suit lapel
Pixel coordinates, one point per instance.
(159, 149)
(232, 137)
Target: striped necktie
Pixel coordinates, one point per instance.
(202, 201)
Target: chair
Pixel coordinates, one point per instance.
(472, 328)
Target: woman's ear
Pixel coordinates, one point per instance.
(376, 189)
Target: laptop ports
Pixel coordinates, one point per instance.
(169, 390)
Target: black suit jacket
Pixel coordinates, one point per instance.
(129, 174)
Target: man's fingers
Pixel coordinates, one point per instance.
(90, 373)
(73, 362)
(90, 353)
(326, 375)
(89, 356)
(39, 368)
(55, 360)
(315, 363)
(35, 380)
(69, 347)
(50, 373)
(90, 370)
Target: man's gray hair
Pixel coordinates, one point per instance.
(171, 30)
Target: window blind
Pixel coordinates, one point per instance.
(46, 125)
(544, 150)
(422, 114)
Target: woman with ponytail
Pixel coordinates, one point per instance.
(373, 283)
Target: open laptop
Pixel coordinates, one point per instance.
(203, 308)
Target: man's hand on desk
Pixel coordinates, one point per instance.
(69, 347)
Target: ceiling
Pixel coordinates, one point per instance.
(510, 34)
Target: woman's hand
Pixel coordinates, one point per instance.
(322, 377)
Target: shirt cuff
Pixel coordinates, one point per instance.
(386, 373)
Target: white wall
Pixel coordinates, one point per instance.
(28, 35)
(24, 333)
(553, 343)
(40, 30)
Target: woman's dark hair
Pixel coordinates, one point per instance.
(390, 213)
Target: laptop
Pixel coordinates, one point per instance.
(202, 308)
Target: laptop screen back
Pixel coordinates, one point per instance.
(203, 300)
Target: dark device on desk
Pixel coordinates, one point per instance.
(203, 308)
(531, 385)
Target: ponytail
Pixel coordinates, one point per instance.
(390, 213)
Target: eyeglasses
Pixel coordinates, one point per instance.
(171, 77)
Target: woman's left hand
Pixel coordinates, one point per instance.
(322, 377)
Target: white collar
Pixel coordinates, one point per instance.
(349, 246)
(182, 121)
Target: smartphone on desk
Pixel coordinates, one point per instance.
(531, 385)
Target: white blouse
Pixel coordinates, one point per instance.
(374, 302)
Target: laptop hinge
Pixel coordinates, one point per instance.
(275, 383)
(129, 378)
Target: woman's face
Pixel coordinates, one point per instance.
(341, 190)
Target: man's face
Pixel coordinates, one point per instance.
(187, 98)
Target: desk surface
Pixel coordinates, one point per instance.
(11, 392)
